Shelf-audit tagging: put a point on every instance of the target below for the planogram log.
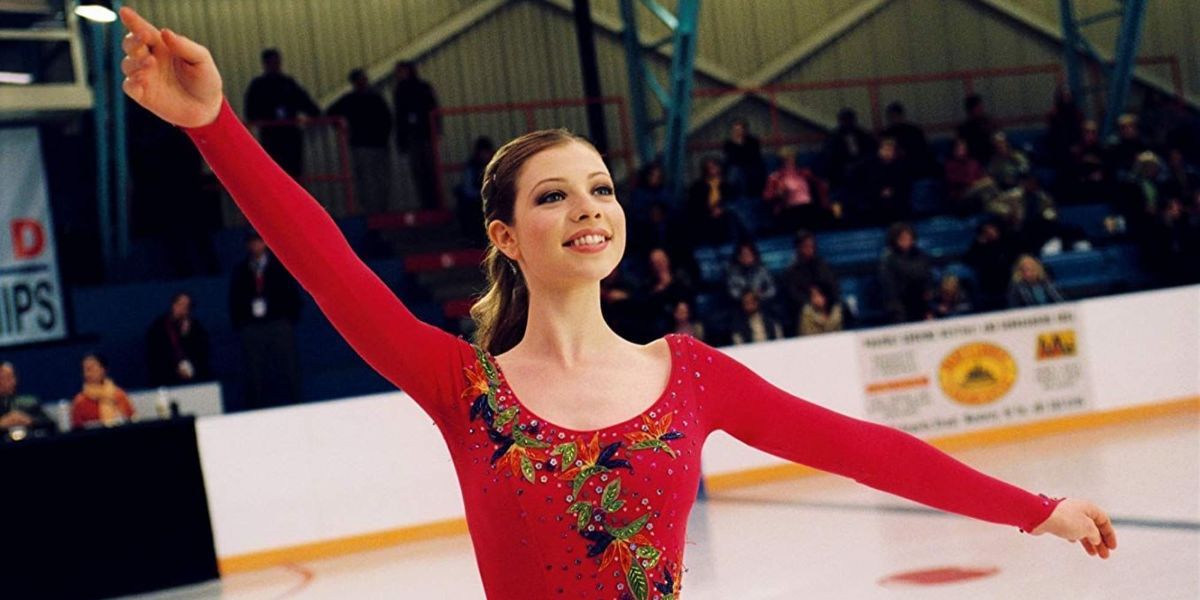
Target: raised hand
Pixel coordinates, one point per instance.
(168, 74)
(1081, 521)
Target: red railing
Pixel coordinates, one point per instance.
(874, 86)
(326, 160)
(528, 112)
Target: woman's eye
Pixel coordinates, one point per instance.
(603, 190)
(551, 197)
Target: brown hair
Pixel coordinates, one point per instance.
(501, 313)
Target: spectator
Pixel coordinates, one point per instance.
(1031, 214)
(747, 274)
(416, 132)
(1172, 249)
(796, 196)
(682, 322)
(807, 269)
(822, 313)
(623, 310)
(101, 402)
(264, 305)
(1086, 178)
(663, 231)
(709, 218)
(1128, 146)
(991, 257)
(1007, 164)
(668, 287)
(845, 147)
(951, 300)
(885, 183)
(177, 346)
(1182, 180)
(905, 276)
(744, 164)
(651, 189)
(977, 130)
(968, 186)
(910, 139)
(274, 96)
(20, 414)
(370, 122)
(469, 193)
(1064, 128)
(1141, 195)
(1030, 285)
(752, 324)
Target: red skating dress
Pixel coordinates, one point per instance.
(559, 513)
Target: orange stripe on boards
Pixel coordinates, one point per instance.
(985, 437)
(329, 548)
(898, 384)
(1010, 433)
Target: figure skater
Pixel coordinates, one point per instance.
(578, 452)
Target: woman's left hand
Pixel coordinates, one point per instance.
(1081, 521)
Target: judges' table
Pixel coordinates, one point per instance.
(105, 512)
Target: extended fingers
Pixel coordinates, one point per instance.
(132, 46)
(141, 28)
(1106, 531)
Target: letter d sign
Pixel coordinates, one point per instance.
(29, 238)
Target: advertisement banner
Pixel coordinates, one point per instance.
(957, 375)
(31, 306)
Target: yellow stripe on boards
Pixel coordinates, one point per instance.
(450, 527)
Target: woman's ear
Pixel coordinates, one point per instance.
(504, 238)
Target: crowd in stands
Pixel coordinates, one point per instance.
(1010, 195)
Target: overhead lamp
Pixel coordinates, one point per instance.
(99, 11)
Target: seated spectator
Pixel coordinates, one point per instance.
(977, 130)
(100, 402)
(651, 189)
(796, 196)
(469, 193)
(845, 147)
(744, 164)
(885, 184)
(752, 324)
(1140, 195)
(910, 139)
(20, 414)
(1181, 180)
(1064, 128)
(1032, 216)
(1128, 147)
(177, 346)
(991, 257)
(967, 185)
(822, 313)
(1007, 164)
(682, 322)
(747, 274)
(1030, 285)
(624, 311)
(905, 276)
(1172, 250)
(668, 287)
(807, 269)
(664, 231)
(951, 300)
(709, 219)
(1086, 178)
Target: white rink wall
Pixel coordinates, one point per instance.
(297, 475)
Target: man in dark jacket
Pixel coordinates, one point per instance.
(416, 133)
(20, 412)
(370, 122)
(177, 346)
(264, 305)
(274, 96)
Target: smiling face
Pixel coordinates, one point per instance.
(568, 228)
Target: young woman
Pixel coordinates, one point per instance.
(100, 402)
(578, 453)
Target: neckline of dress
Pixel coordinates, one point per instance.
(654, 406)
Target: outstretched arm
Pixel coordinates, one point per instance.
(756, 412)
(175, 78)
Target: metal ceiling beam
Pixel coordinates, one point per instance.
(433, 39)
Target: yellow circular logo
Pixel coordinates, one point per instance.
(977, 373)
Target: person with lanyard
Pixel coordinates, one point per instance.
(264, 305)
(578, 452)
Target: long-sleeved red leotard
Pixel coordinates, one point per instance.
(559, 513)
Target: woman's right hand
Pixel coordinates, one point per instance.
(168, 74)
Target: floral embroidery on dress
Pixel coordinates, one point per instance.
(519, 449)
